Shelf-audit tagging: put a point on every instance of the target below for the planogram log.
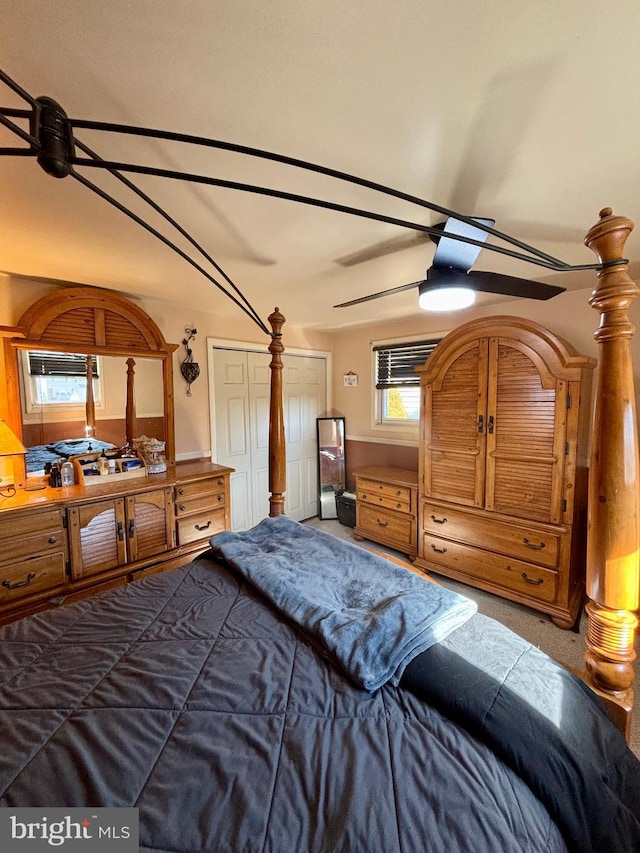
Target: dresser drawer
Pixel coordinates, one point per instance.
(533, 581)
(385, 495)
(30, 576)
(39, 544)
(389, 525)
(200, 526)
(529, 543)
(208, 500)
(15, 525)
(197, 488)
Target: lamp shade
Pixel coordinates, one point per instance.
(10, 445)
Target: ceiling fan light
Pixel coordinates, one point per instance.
(446, 298)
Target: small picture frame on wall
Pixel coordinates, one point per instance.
(350, 379)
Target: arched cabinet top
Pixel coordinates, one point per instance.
(560, 357)
(93, 319)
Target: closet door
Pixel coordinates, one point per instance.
(455, 425)
(526, 425)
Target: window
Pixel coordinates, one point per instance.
(397, 382)
(57, 379)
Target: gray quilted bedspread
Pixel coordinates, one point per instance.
(186, 695)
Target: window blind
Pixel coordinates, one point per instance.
(43, 363)
(395, 363)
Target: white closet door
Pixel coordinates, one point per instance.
(241, 384)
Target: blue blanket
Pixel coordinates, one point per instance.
(371, 616)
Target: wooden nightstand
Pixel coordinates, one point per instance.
(386, 508)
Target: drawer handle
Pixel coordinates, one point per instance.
(220, 482)
(120, 529)
(52, 540)
(220, 498)
(132, 528)
(382, 523)
(533, 546)
(203, 526)
(181, 507)
(438, 550)
(438, 520)
(19, 584)
(527, 579)
(181, 492)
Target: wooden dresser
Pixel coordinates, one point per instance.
(386, 507)
(61, 544)
(503, 470)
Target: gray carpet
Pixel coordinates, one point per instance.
(568, 647)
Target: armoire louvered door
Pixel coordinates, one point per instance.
(525, 433)
(503, 448)
(455, 414)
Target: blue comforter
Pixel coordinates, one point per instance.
(371, 616)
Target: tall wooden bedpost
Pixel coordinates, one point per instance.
(130, 408)
(277, 452)
(613, 573)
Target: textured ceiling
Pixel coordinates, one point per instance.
(525, 112)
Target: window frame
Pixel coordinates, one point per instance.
(407, 425)
(33, 411)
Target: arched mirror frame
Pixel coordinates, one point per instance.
(98, 322)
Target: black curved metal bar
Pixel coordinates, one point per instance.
(98, 191)
(534, 255)
(323, 170)
(141, 194)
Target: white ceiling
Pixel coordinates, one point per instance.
(527, 112)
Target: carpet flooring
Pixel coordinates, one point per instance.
(567, 647)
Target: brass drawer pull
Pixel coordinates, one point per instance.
(438, 550)
(382, 523)
(438, 520)
(19, 584)
(532, 546)
(527, 579)
(203, 526)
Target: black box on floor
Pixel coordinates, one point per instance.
(346, 506)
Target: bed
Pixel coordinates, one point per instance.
(263, 698)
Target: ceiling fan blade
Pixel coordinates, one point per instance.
(386, 247)
(380, 293)
(490, 282)
(455, 254)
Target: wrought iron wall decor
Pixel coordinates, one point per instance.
(189, 368)
(51, 140)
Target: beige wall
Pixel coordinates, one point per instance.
(193, 434)
(569, 315)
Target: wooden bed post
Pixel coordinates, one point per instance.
(613, 539)
(90, 411)
(130, 410)
(277, 449)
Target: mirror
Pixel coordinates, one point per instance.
(332, 468)
(54, 421)
(135, 382)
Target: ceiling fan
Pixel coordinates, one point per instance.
(451, 284)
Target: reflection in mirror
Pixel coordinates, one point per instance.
(58, 420)
(332, 472)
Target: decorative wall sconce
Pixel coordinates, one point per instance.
(189, 368)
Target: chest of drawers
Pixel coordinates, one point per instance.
(386, 507)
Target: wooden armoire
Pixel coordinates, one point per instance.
(503, 463)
